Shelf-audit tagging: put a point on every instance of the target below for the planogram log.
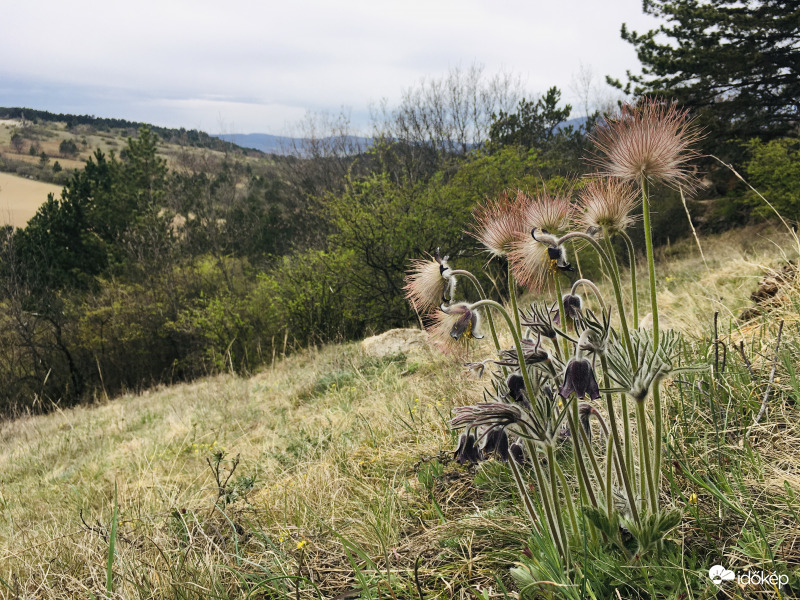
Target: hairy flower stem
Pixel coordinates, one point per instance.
(547, 500)
(522, 490)
(584, 482)
(612, 417)
(657, 435)
(647, 467)
(598, 473)
(626, 426)
(520, 355)
(551, 463)
(590, 284)
(614, 282)
(634, 289)
(648, 241)
(563, 314)
(482, 294)
(609, 459)
(614, 263)
(512, 294)
(567, 499)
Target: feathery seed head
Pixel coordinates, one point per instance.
(428, 283)
(650, 140)
(534, 258)
(499, 222)
(606, 204)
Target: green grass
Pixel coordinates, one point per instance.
(344, 480)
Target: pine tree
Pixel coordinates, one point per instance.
(735, 64)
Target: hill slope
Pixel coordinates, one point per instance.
(342, 470)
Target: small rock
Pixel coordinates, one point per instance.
(395, 341)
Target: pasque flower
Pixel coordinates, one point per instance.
(579, 379)
(467, 450)
(572, 305)
(651, 140)
(534, 255)
(454, 325)
(606, 204)
(495, 441)
(428, 283)
(498, 223)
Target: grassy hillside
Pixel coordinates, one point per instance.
(182, 152)
(334, 475)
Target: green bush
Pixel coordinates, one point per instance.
(774, 170)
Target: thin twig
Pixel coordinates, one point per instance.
(771, 377)
(416, 577)
(694, 232)
(747, 363)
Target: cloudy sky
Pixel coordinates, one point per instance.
(241, 66)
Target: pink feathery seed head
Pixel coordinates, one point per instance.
(651, 140)
(531, 262)
(426, 283)
(498, 223)
(606, 204)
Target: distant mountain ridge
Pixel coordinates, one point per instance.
(278, 144)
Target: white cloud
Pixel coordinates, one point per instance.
(263, 62)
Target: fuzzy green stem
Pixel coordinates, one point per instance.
(563, 314)
(642, 473)
(568, 500)
(547, 501)
(612, 417)
(610, 458)
(523, 493)
(580, 465)
(658, 442)
(634, 288)
(614, 282)
(598, 473)
(647, 467)
(616, 277)
(512, 294)
(551, 461)
(626, 426)
(651, 267)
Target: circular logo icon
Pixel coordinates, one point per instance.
(718, 574)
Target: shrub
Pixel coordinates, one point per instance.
(774, 169)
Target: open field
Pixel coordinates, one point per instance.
(20, 198)
(344, 480)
